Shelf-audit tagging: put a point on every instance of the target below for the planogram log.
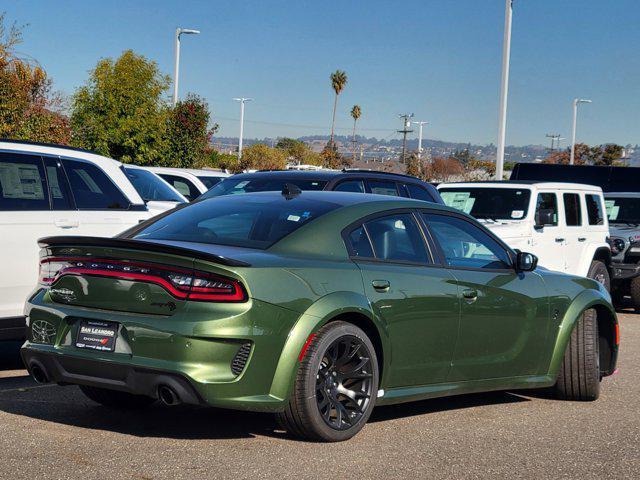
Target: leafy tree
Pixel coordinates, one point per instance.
(215, 159)
(299, 151)
(261, 157)
(608, 154)
(338, 82)
(333, 159)
(120, 112)
(28, 108)
(415, 167)
(356, 113)
(463, 156)
(188, 132)
(444, 169)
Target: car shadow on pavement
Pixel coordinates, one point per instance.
(68, 406)
(459, 402)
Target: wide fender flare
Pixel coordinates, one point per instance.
(593, 251)
(315, 317)
(585, 300)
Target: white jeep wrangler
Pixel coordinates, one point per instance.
(564, 224)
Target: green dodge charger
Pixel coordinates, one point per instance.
(316, 306)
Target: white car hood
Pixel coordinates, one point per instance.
(156, 207)
(508, 230)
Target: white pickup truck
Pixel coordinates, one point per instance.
(564, 224)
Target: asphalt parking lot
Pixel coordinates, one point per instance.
(54, 432)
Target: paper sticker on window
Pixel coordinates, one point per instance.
(293, 218)
(21, 180)
(517, 213)
(612, 209)
(399, 225)
(458, 200)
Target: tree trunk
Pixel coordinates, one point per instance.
(333, 122)
(354, 139)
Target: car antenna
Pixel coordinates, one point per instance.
(290, 191)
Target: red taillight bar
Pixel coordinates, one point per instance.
(155, 274)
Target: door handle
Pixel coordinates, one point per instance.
(581, 239)
(470, 295)
(381, 285)
(66, 223)
(559, 239)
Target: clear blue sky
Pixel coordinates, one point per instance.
(438, 58)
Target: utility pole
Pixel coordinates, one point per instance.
(420, 125)
(576, 102)
(176, 69)
(504, 89)
(554, 137)
(406, 128)
(242, 101)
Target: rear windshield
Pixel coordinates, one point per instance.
(254, 222)
(489, 203)
(623, 210)
(209, 182)
(151, 187)
(231, 185)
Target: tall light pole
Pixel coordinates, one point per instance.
(176, 70)
(576, 102)
(420, 125)
(242, 101)
(504, 89)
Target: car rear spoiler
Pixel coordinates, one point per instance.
(74, 240)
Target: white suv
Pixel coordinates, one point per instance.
(51, 190)
(564, 224)
(190, 182)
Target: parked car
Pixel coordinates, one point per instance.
(314, 305)
(623, 211)
(51, 190)
(156, 193)
(358, 181)
(190, 182)
(564, 224)
(609, 178)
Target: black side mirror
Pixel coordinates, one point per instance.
(526, 262)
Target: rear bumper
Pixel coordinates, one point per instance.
(13, 328)
(624, 271)
(66, 369)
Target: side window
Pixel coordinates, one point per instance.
(360, 244)
(383, 187)
(23, 184)
(356, 186)
(547, 209)
(594, 210)
(397, 238)
(58, 187)
(465, 244)
(91, 187)
(419, 193)
(184, 186)
(572, 210)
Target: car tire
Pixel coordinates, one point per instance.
(579, 376)
(598, 271)
(340, 358)
(634, 290)
(115, 399)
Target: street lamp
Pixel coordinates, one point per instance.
(504, 89)
(420, 124)
(576, 101)
(242, 101)
(176, 71)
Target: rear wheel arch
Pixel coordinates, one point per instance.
(607, 339)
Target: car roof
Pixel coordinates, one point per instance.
(108, 165)
(189, 171)
(522, 183)
(325, 174)
(622, 194)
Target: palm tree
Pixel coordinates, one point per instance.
(338, 81)
(356, 112)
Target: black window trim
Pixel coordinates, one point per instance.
(346, 232)
(60, 167)
(510, 252)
